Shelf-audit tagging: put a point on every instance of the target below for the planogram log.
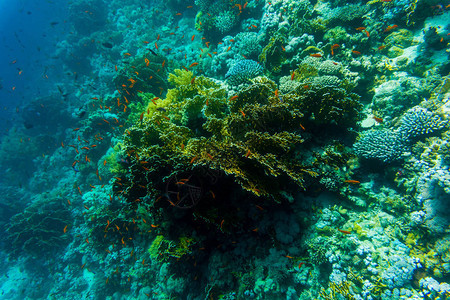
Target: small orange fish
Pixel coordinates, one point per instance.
(229, 48)
(65, 229)
(232, 98)
(192, 38)
(156, 46)
(344, 231)
(292, 75)
(356, 52)
(367, 33)
(381, 47)
(335, 46)
(389, 28)
(193, 65)
(142, 116)
(316, 55)
(360, 28)
(352, 181)
(378, 120)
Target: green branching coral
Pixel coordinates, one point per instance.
(39, 229)
(162, 249)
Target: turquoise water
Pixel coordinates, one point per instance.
(216, 149)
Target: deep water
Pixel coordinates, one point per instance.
(224, 149)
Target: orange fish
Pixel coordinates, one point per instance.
(292, 75)
(192, 38)
(316, 55)
(381, 47)
(141, 117)
(65, 229)
(360, 28)
(156, 46)
(334, 47)
(389, 28)
(367, 33)
(356, 52)
(352, 181)
(344, 231)
(193, 65)
(378, 120)
(234, 97)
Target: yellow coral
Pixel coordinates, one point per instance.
(155, 246)
(180, 77)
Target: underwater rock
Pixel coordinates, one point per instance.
(393, 97)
